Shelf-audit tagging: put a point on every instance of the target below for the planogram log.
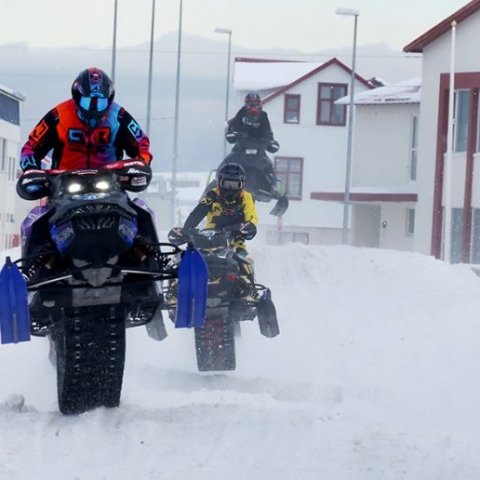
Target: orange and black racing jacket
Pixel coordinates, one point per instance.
(74, 145)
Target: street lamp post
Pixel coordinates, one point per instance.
(346, 205)
(447, 176)
(114, 43)
(173, 200)
(227, 97)
(150, 70)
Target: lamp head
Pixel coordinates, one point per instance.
(347, 11)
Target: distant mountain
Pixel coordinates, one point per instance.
(44, 76)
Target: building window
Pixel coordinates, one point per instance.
(460, 129)
(9, 109)
(475, 252)
(187, 183)
(291, 112)
(15, 240)
(327, 112)
(290, 171)
(12, 170)
(3, 153)
(410, 224)
(413, 148)
(281, 238)
(456, 234)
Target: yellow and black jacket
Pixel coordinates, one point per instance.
(221, 212)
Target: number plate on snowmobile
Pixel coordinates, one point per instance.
(251, 151)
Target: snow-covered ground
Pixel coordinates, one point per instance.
(375, 376)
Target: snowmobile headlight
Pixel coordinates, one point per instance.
(102, 185)
(75, 187)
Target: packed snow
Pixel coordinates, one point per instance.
(374, 376)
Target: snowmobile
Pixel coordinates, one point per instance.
(261, 180)
(231, 298)
(91, 267)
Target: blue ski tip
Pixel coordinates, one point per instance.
(192, 290)
(14, 313)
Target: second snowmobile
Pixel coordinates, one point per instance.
(231, 298)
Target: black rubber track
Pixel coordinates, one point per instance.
(215, 344)
(90, 351)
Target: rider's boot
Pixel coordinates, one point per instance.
(247, 274)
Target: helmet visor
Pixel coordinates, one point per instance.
(94, 104)
(231, 184)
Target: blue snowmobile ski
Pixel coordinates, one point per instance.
(14, 313)
(192, 289)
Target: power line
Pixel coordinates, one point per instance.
(247, 53)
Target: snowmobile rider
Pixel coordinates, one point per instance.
(226, 205)
(253, 122)
(89, 130)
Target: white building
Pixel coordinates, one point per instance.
(435, 45)
(189, 189)
(299, 98)
(383, 190)
(11, 209)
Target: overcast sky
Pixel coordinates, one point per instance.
(307, 25)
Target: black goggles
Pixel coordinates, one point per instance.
(231, 184)
(254, 106)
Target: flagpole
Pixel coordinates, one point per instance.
(173, 199)
(114, 42)
(447, 181)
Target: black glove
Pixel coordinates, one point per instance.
(33, 184)
(176, 236)
(135, 175)
(248, 230)
(273, 146)
(231, 137)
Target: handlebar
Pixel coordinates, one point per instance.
(109, 166)
(180, 236)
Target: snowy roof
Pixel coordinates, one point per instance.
(267, 75)
(407, 91)
(12, 93)
(274, 77)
